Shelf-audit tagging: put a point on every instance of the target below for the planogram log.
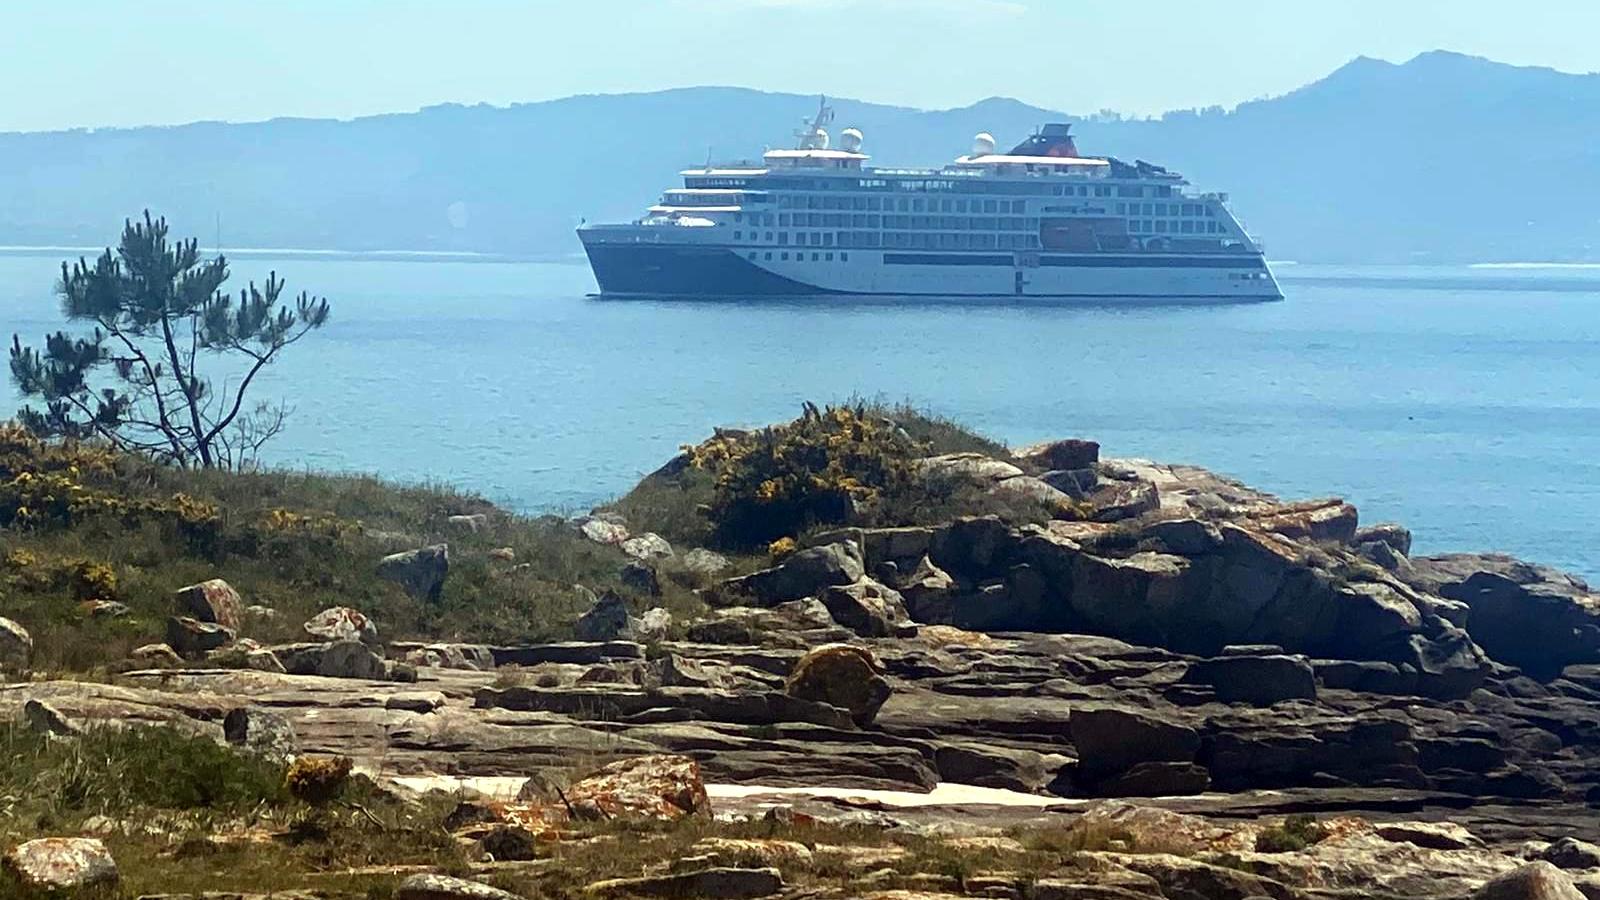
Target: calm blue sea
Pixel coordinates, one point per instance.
(1464, 402)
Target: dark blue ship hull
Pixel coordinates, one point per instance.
(681, 270)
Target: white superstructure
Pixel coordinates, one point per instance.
(1037, 221)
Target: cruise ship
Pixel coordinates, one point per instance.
(1040, 221)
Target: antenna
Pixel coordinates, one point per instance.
(812, 136)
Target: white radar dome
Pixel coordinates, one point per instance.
(850, 140)
(815, 140)
(983, 144)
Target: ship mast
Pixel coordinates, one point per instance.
(814, 136)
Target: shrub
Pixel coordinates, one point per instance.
(111, 771)
(317, 780)
(1296, 833)
(817, 470)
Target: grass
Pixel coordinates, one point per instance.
(295, 542)
(111, 771)
(190, 816)
(299, 542)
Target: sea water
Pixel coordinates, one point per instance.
(1462, 401)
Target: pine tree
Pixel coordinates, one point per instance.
(159, 315)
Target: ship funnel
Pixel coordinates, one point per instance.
(983, 144)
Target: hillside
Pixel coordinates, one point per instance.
(1443, 158)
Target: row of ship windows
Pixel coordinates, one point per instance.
(870, 220)
(1162, 226)
(964, 185)
(902, 204)
(908, 240)
(815, 257)
(963, 223)
(1184, 210)
(959, 239)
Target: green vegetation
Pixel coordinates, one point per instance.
(135, 382)
(113, 771)
(1296, 833)
(819, 469)
(182, 813)
(80, 522)
(855, 462)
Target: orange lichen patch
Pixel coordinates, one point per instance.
(660, 787)
(542, 820)
(656, 788)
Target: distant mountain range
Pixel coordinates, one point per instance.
(1445, 158)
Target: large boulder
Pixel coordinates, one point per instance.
(602, 528)
(1371, 615)
(448, 656)
(154, 656)
(850, 678)
(191, 637)
(1571, 853)
(972, 546)
(1535, 881)
(606, 620)
(471, 523)
(16, 647)
(928, 592)
(1122, 753)
(648, 547)
(245, 654)
(1393, 535)
(970, 467)
(804, 574)
(1257, 680)
(660, 788)
(704, 562)
(262, 732)
(420, 573)
(640, 577)
(46, 719)
(798, 624)
(650, 626)
(1448, 663)
(1035, 490)
(1330, 520)
(1070, 453)
(868, 608)
(61, 864)
(1532, 617)
(337, 659)
(1110, 740)
(1185, 537)
(1115, 501)
(1140, 598)
(341, 623)
(212, 601)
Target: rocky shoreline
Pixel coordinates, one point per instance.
(1184, 658)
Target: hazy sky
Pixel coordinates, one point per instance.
(70, 63)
